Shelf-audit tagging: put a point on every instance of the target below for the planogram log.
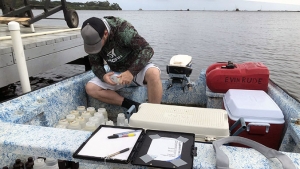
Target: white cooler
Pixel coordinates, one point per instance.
(207, 124)
(263, 117)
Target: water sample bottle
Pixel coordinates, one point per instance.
(39, 164)
(95, 120)
(75, 112)
(86, 115)
(91, 110)
(90, 126)
(120, 119)
(81, 121)
(104, 112)
(126, 123)
(51, 163)
(70, 117)
(100, 116)
(74, 125)
(64, 122)
(81, 109)
(18, 164)
(110, 123)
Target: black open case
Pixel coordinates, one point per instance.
(138, 155)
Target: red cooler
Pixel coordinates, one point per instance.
(220, 77)
(263, 117)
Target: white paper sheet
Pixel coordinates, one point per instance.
(100, 146)
(165, 149)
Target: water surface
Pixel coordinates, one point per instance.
(268, 37)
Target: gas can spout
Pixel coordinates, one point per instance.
(229, 65)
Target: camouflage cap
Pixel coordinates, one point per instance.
(92, 31)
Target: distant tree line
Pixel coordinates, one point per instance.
(89, 5)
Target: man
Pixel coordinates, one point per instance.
(118, 43)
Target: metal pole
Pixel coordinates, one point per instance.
(14, 28)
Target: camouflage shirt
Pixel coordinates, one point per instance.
(124, 50)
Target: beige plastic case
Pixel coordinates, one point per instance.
(207, 124)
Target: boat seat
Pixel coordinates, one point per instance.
(23, 21)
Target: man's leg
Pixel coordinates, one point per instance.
(154, 85)
(106, 96)
(109, 96)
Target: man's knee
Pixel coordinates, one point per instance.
(91, 88)
(152, 74)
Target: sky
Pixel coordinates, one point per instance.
(204, 4)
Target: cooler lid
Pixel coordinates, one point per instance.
(201, 121)
(253, 105)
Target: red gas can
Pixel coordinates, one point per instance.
(220, 77)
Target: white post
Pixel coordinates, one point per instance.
(32, 28)
(14, 28)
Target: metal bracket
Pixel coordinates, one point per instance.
(130, 111)
(179, 78)
(242, 128)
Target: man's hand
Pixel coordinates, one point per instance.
(126, 77)
(107, 79)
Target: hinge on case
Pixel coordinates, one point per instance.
(194, 151)
(210, 139)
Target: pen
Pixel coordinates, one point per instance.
(119, 152)
(127, 132)
(119, 136)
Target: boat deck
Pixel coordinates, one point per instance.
(47, 48)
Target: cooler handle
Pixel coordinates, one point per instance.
(242, 128)
(267, 125)
(222, 160)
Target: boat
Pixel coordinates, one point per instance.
(28, 122)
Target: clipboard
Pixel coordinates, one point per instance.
(152, 148)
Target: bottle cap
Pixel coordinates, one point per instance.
(90, 109)
(80, 119)
(74, 123)
(109, 123)
(121, 115)
(102, 110)
(81, 108)
(70, 117)
(30, 159)
(85, 114)
(18, 161)
(63, 121)
(75, 112)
